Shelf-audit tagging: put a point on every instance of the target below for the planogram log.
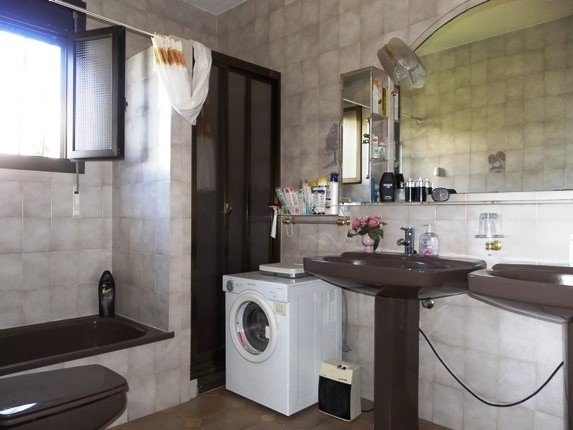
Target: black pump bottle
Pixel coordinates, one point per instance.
(106, 295)
(387, 187)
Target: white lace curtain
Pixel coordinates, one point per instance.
(187, 87)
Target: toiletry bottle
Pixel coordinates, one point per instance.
(387, 187)
(421, 190)
(409, 190)
(428, 187)
(319, 196)
(374, 197)
(400, 193)
(106, 295)
(376, 96)
(571, 250)
(429, 242)
(332, 196)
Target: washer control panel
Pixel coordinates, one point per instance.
(272, 291)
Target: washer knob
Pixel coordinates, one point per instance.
(230, 285)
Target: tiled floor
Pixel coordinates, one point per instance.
(222, 410)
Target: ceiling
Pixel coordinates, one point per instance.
(215, 7)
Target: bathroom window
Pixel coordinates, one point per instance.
(32, 89)
(62, 89)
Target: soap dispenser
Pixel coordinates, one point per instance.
(106, 295)
(429, 242)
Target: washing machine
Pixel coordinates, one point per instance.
(278, 332)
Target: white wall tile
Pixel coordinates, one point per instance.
(550, 399)
(36, 235)
(12, 199)
(11, 274)
(10, 235)
(448, 406)
(516, 381)
(517, 336)
(547, 422)
(453, 356)
(64, 234)
(478, 416)
(36, 306)
(516, 417)
(37, 271)
(36, 199)
(167, 389)
(481, 373)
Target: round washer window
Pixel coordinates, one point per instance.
(253, 327)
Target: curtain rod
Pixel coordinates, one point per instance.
(103, 18)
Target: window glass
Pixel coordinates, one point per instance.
(31, 102)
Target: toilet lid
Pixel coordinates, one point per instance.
(34, 395)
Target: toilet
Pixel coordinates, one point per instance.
(77, 398)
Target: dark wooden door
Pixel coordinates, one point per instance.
(235, 171)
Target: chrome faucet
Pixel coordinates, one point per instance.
(408, 241)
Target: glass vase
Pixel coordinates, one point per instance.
(368, 243)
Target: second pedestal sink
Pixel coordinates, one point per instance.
(398, 282)
(539, 291)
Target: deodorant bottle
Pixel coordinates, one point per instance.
(106, 295)
(387, 187)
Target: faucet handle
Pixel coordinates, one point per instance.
(407, 228)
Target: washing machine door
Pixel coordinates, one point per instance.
(253, 327)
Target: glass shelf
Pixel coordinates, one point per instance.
(338, 220)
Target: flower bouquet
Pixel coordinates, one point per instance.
(370, 228)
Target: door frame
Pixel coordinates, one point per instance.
(210, 372)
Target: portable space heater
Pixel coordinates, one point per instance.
(339, 389)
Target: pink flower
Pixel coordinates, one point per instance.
(374, 222)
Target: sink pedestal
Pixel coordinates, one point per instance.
(568, 375)
(396, 354)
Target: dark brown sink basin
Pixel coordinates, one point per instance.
(394, 275)
(542, 291)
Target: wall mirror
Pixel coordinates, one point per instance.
(496, 113)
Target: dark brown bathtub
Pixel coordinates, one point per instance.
(31, 346)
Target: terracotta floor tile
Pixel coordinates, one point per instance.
(266, 426)
(220, 409)
(160, 420)
(306, 419)
(204, 406)
(233, 418)
(192, 423)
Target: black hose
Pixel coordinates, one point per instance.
(497, 405)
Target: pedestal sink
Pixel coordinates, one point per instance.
(398, 282)
(539, 291)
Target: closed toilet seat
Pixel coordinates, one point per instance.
(76, 398)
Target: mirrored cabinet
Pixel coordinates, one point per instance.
(369, 118)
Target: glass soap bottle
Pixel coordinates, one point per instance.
(429, 242)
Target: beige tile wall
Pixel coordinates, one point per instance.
(50, 262)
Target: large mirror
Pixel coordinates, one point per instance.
(496, 113)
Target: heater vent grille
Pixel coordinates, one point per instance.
(334, 397)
